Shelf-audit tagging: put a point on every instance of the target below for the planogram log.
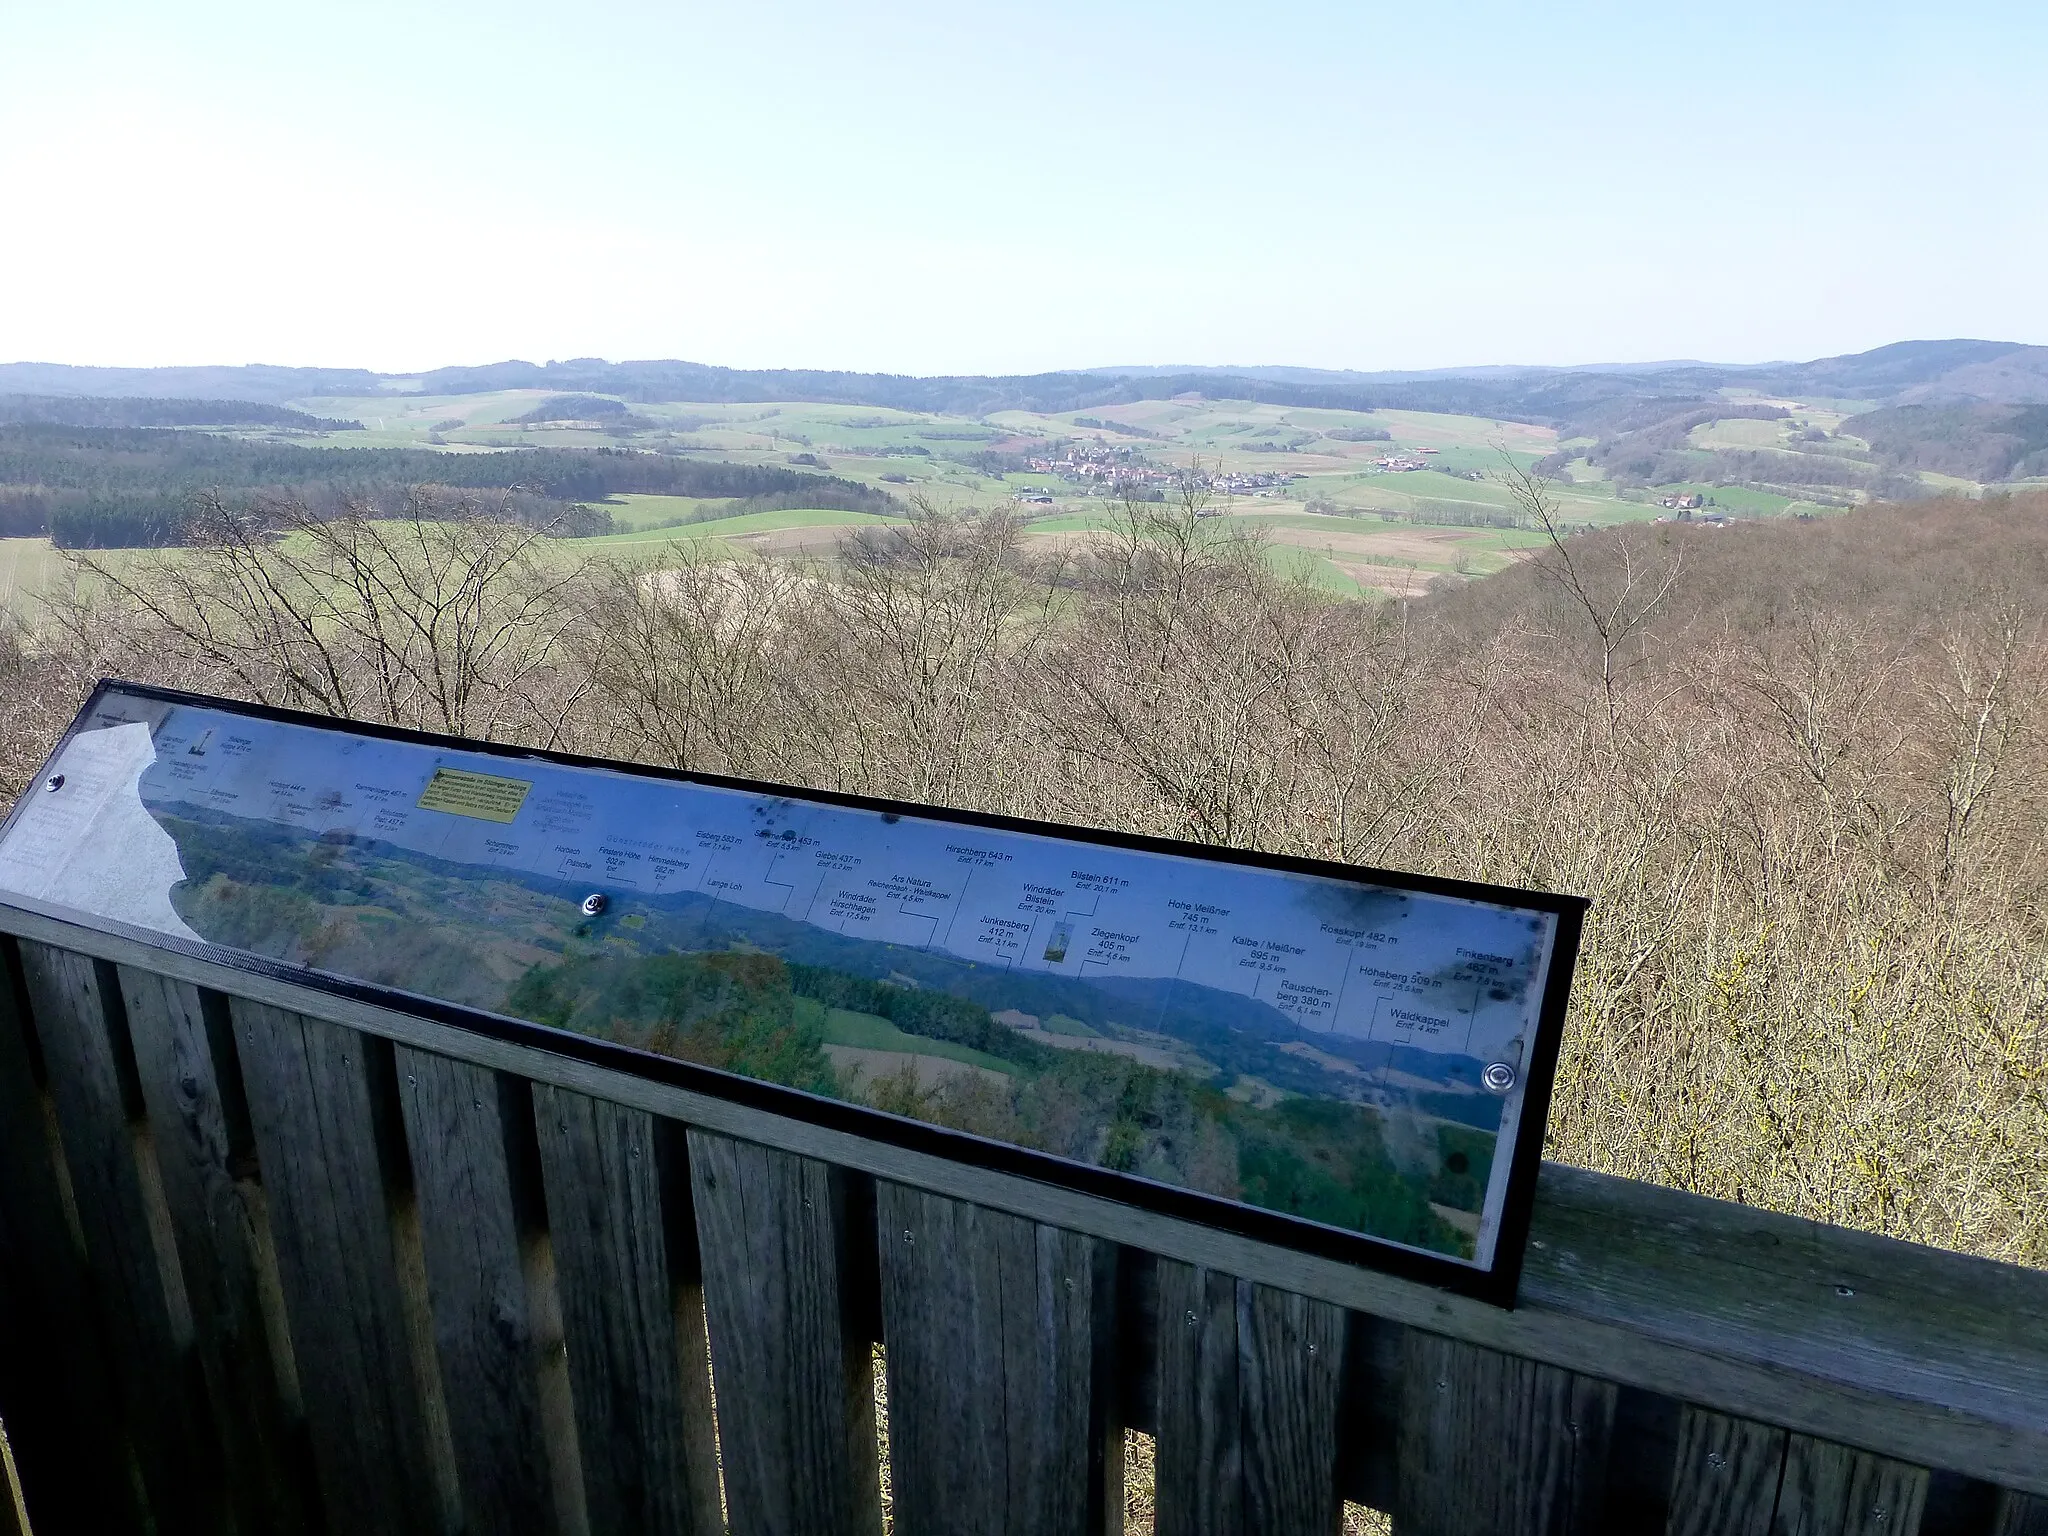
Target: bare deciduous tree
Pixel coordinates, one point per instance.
(689, 654)
(1617, 605)
(441, 615)
(1801, 769)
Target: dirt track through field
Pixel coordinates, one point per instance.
(1380, 541)
(1395, 580)
(794, 541)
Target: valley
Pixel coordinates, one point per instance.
(1357, 483)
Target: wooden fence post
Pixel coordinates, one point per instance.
(994, 1414)
(484, 1337)
(1249, 1386)
(796, 1404)
(635, 1328)
(56, 1381)
(1832, 1490)
(206, 1156)
(312, 1108)
(1495, 1445)
(128, 1245)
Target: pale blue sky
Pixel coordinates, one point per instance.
(928, 188)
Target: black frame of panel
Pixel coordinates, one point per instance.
(1495, 1284)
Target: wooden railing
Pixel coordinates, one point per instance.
(273, 1260)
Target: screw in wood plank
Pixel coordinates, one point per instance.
(412, 1080)
(907, 1237)
(476, 1103)
(1843, 1290)
(1716, 1460)
(1191, 1319)
(1311, 1349)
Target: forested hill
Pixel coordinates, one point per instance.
(103, 486)
(126, 411)
(253, 381)
(1903, 373)
(1893, 416)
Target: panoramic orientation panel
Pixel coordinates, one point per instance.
(1367, 1053)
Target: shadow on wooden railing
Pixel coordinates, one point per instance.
(272, 1260)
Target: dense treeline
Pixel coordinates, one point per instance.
(254, 381)
(738, 1010)
(102, 487)
(915, 1011)
(1802, 467)
(728, 1010)
(1548, 398)
(1649, 443)
(614, 414)
(125, 411)
(1801, 769)
(1578, 402)
(1976, 442)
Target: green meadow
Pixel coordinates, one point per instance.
(872, 1032)
(1336, 519)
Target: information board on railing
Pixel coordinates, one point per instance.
(1352, 1062)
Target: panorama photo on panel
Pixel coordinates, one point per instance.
(1350, 1053)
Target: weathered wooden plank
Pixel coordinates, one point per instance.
(1198, 1450)
(1290, 1373)
(1494, 1444)
(1249, 1382)
(314, 1113)
(206, 1157)
(1369, 1413)
(1107, 1424)
(796, 1407)
(2019, 1515)
(1928, 1355)
(484, 1339)
(990, 1324)
(1726, 1476)
(61, 1401)
(76, 1004)
(1135, 1371)
(1823, 1304)
(1642, 1450)
(1831, 1490)
(635, 1333)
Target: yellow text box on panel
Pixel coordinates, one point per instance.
(482, 795)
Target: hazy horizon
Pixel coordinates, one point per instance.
(1169, 366)
(919, 189)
